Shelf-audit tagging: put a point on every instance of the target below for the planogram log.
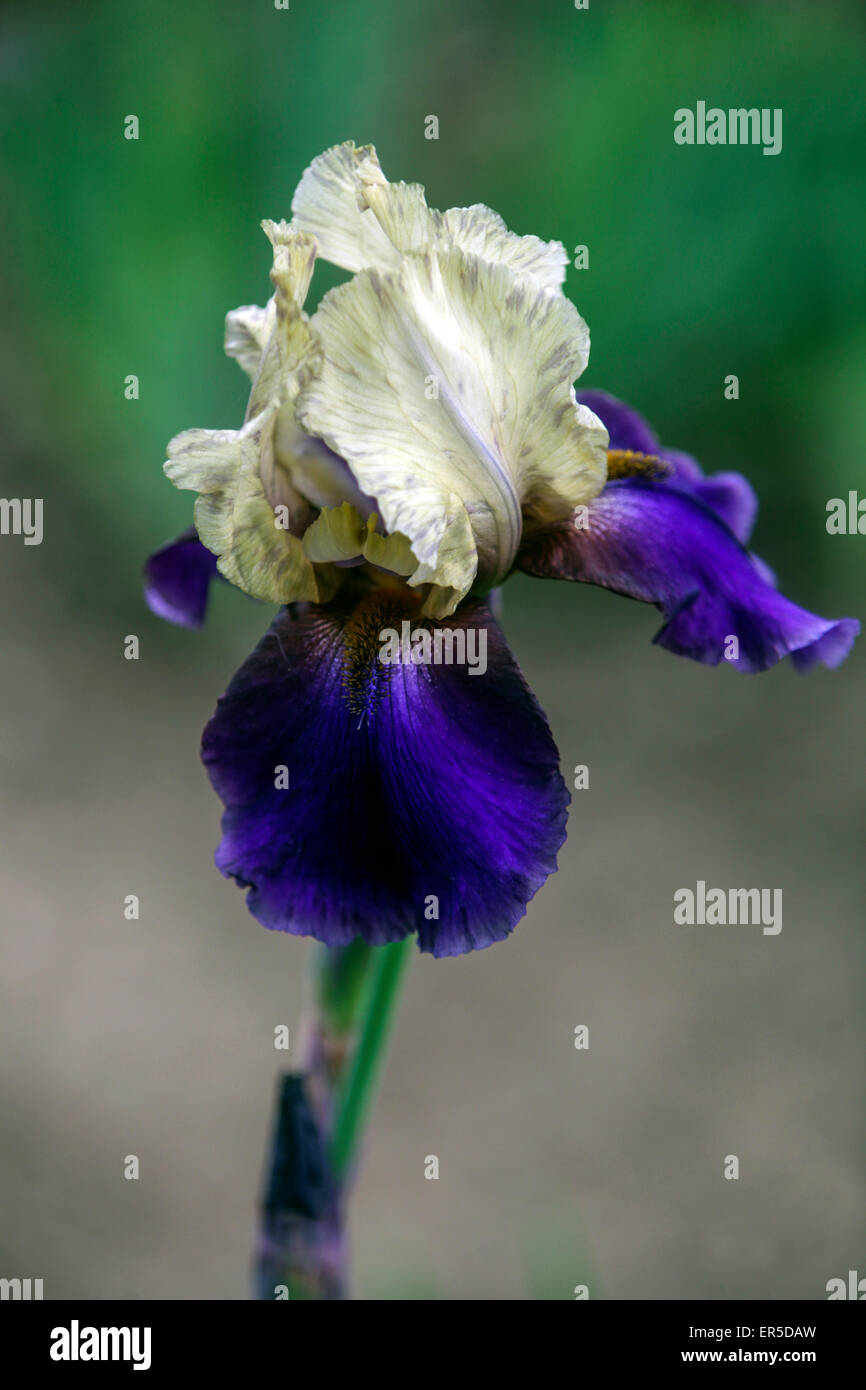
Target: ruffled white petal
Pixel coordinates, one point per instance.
(289, 340)
(249, 511)
(326, 204)
(446, 386)
(433, 391)
(363, 222)
(482, 232)
(247, 332)
(237, 519)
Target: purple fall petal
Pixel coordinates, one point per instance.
(654, 542)
(729, 495)
(177, 580)
(420, 798)
(627, 429)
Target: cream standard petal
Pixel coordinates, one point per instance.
(248, 511)
(326, 204)
(482, 232)
(270, 341)
(236, 519)
(297, 462)
(361, 221)
(446, 385)
(300, 471)
(289, 339)
(247, 332)
(412, 227)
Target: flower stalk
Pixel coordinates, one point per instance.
(357, 1092)
(319, 1119)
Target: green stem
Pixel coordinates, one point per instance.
(335, 993)
(358, 1089)
(339, 976)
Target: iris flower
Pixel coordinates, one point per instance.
(405, 449)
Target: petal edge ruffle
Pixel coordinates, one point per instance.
(656, 543)
(420, 798)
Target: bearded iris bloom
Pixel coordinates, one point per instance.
(406, 448)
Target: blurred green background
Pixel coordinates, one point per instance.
(123, 257)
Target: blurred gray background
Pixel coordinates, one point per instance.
(155, 1037)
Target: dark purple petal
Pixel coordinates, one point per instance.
(729, 495)
(626, 428)
(654, 542)
(733, 499)
(413, 790)
(177, 580)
